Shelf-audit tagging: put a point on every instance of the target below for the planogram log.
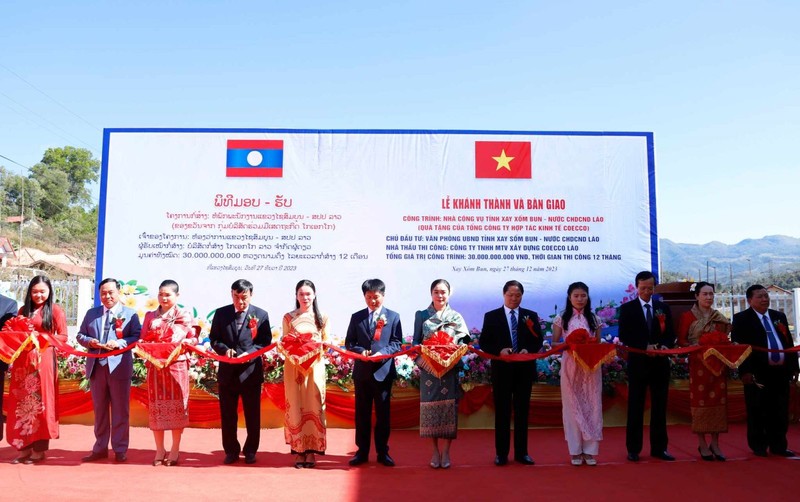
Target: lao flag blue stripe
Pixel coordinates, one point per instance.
(255, 158)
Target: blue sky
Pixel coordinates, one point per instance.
(716, 82)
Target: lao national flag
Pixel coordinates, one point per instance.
(255, 158)
(503, 159)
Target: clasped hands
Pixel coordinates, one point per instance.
(369, 353)
(508, 351)
(109, 345)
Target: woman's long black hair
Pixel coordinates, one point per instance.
(47, 309)
(587, 309)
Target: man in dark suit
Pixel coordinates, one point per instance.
(8, 309)
(109, 377)
(237, 330)
(766, 375)
(646, 323)
(511, 330)
(373, 331)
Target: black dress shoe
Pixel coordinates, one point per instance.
(386, 460)
(498, 460)
(358, 459)
(525, 459)
(95, 456)
(663, 456)
(760, 453)
(249, 458)
(784, 453)
(230, 458)
(120, 457)
(633, 457)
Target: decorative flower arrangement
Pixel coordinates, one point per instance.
(407, 372)
(273, 367)
(614, 373)
(339, 370)
(474, 370)
(679, 368)
(72, 367)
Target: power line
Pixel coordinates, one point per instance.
(15, 162)
(75, 138)
(49, 97)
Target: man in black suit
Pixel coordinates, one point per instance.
(373, 331)
(511, 330)
(237, 330)
(646, 323)
(766, 376)
(8, 309)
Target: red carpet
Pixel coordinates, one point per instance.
(201, 476)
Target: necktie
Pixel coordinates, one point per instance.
(514, 330)
(773, 340)
(648, 317)
(239, 320)
(372, 320)
(106, 326)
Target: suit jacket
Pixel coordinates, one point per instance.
(360, 338)
(747, 328)
(224, 336)
(92, 327)
(496, 334)
(633, 330)
(8, 309)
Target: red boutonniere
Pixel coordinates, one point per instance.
(252, 323)
(379, 324)
(529, 323)
(662, 320)
(782, 329)
(118, 322)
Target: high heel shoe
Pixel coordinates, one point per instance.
(311, 461)
(159, 461)
(708, 458)
(170, 462)
(446, 461)
(718, 456)
(436, 461)
(21, 460)
(299, 461)
(34, 460)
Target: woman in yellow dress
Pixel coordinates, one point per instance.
(304, 419)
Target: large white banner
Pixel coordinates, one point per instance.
(478, 208)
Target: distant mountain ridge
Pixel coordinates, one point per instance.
(770, 255)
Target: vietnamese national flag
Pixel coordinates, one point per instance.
(254, 158)
(503, 159)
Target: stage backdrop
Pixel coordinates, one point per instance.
(478, 208)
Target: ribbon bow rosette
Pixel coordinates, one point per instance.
(252, 324)
(118, 322)
(720, 351)
(300, 349)
(440, 353)
(587, 350)
(16, 336)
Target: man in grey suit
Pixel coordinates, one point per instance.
(374, 330)
(109, 327)
(8, 309)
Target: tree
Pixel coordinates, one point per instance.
(76, 164)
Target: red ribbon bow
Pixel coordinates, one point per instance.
(253, 325)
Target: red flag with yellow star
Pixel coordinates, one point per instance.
(503, 159)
